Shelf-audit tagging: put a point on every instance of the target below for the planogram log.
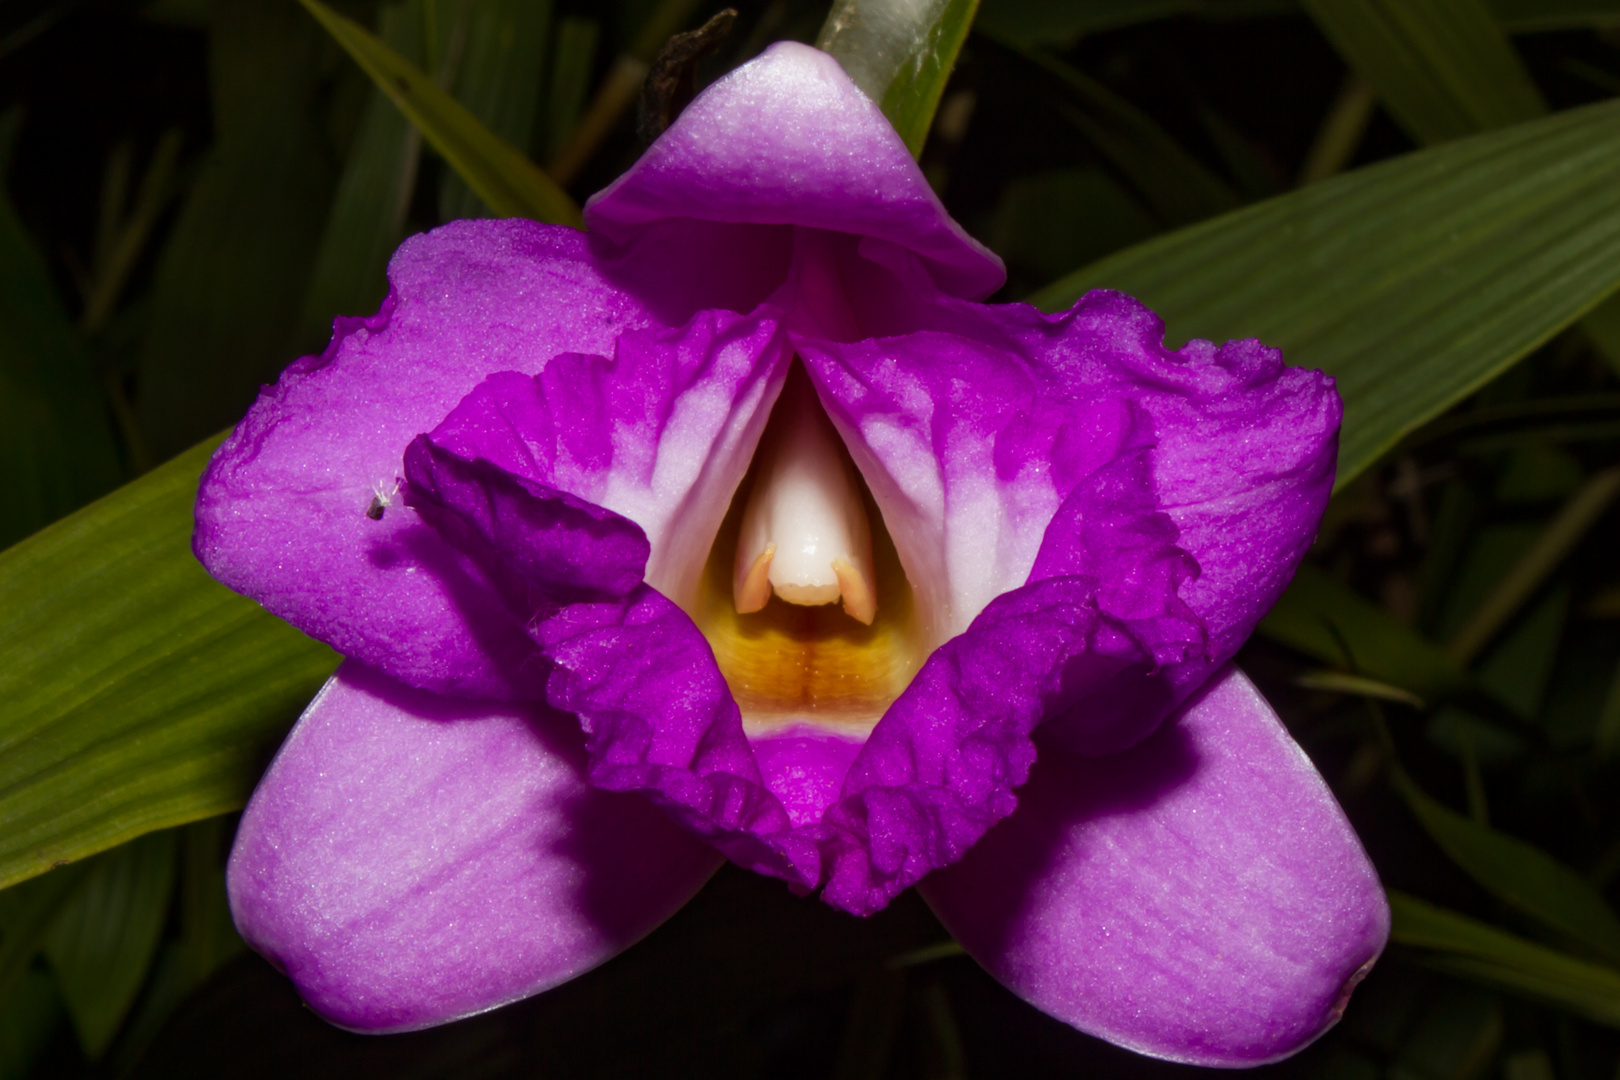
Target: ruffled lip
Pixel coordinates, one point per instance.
(941, 766)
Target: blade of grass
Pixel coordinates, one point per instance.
(509, 183)
(56, 446)
(498, 79)
(1559, 538)
(1518, 873)
(619, 90)
(1179, 187)
(104, 938)
(1327, 620)
(367, 218)
(1341, 131)
(1443, 68)
(1467, 948)
(1340, 682)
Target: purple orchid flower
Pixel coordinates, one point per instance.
(508, 500)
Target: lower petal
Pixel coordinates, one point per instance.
(409, 859)
(1199, 897)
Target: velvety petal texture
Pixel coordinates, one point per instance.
(409, 859)
(288, 509)
(789, 139)
(1199, 897)
(282, 510)
(974, 430)
(499, 495)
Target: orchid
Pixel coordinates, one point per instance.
(736, 527)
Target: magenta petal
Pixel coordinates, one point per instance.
(788, 139)
(544, 546)
(409, 859)
(1200, 897)
(660, 434)
(282, 510)
(660, 720)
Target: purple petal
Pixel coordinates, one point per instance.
(660, 720)
(661, 434)
(409, 859)
(1199, 897)
(788, 139)
(804, 767)
(282, 511)
(974, 425)
(545, 547)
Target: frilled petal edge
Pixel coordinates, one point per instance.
(1199, 898)
(941, 766)
(409, 859)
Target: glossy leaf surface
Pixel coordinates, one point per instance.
(137, 692)
(901, 54)
(1413, 282)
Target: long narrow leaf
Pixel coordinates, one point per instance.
(1413, 282)
(1327, 620)
(509, 183)
(1035, 23)
(1444, 68)
(1521, 16)
(901, 54)
(498, 79)
(1179, 187)
(222, 323)
(56, 447)
(105, 936)
(1470, 949)
(367, 219)
(136, 693)
(1518, 873)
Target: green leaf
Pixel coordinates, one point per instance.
(1060, 23)
(1443, 68)
(1322, 618)
(1523, 16)
(509, 183)
(498, 79)
(1339, 682)
(571, 64)
(207, 939)
(1035, 23)
(1413, 282)
(137, 693)
(1053, 221)
(230, 282)
(1179, 187)
(1467, 948)
(28, 1023)
(56, 447)
(103, 941)
(1518, 873)
(901, 55)
(1602, 327)
(367, 219)
(1456, 1035)
(1488, 428)
(26, 912)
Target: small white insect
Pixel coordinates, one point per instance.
(381, 500)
